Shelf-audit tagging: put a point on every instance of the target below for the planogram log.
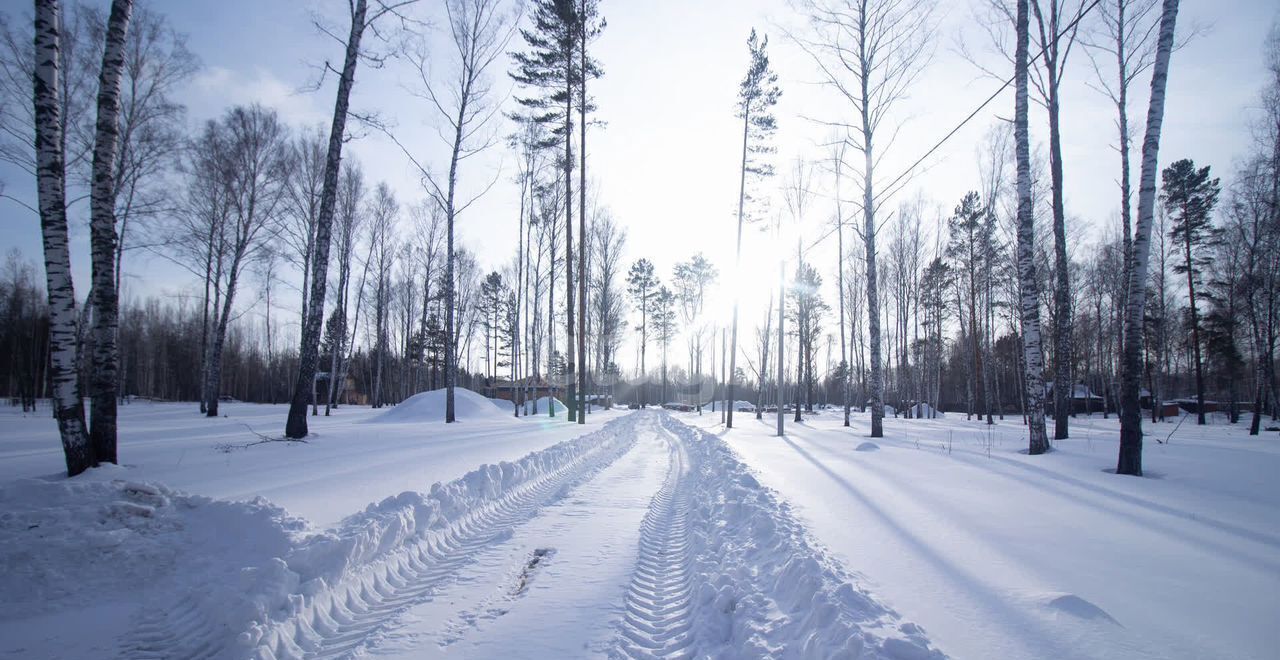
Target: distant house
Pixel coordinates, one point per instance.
(524, 388)
(351, 395)
(1083, 400)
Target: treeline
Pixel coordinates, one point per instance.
(159, 345)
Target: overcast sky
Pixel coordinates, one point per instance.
(665, 162)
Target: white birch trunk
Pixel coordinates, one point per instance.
(51, 192)
(309, 352)
(104, 381)
(1033, 354)
(1130, 455)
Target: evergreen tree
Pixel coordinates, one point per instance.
(550, 65)
(662, 314)
(642, 284)
(588, 26)
(1190, 196)
(969, 248)
(757, 94)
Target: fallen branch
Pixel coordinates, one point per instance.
(228, 447)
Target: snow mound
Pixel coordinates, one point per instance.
(72, 542)
(1079, 608)
(926, 411)
(429, 407)
(545, 401)
(867, 446)
(760, 585)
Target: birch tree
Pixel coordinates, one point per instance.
(1126, 38)
(302, 206)
(870, 53)
(77, 77)
(157, 64)
(250, 148)
(478, 32)
(309, 351)
(838, 148)
(691, 279)
(1033, 354)
(607, 243)
(1130, 453)
(51, 179)
(104, 383)
(383, 212)
(349, 214)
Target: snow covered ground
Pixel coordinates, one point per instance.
(639, 535)
(350, 460)
(1003, 555)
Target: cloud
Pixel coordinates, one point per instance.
(216, 88)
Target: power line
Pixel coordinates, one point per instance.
(1071, 26)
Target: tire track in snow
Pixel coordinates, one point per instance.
(658, 622)
(429, 567)
(369, 598)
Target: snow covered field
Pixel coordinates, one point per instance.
(637, 535)
(1002, 555)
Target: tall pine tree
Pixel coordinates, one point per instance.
(1190, 195)
(757, 94)
(550, 65)
(588, 27)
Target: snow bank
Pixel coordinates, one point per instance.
(80, 542)
(192, 577)
(336, 576)
(762, 589)
(543, 402)
(429, 407)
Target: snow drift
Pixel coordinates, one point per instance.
(429, 407)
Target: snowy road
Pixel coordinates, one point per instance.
(555, 588)
(642, 538)
(656, 544)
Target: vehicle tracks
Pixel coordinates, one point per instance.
(658, 620)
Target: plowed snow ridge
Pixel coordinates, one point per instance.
(330, 593)
(725, 571)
